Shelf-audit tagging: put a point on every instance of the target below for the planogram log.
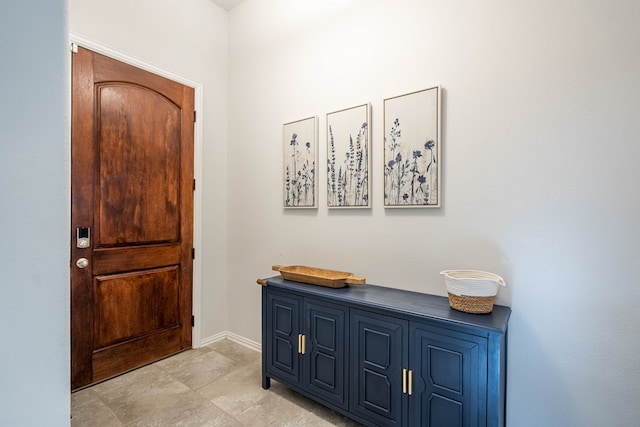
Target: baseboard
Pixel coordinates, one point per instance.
(212, 339)
(233, 337)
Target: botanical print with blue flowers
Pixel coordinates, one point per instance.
(300, 163)
(348, 157)
(411, 158)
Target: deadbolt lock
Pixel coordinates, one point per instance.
(83, 237)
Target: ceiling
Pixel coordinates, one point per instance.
(227, 4)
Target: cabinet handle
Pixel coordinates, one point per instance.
(303, 340)
(410, 392)
(404, 380)
(299, 343)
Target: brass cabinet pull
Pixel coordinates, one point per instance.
(301, 343)
(404, 380)
(410, 392)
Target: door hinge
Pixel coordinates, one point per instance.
(193, 253)
(195, 115)
(193, 320)
(74, 48)
(194, 184)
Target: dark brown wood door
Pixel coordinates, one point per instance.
(132, 195)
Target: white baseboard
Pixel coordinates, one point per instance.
(233, 337)
(211, 339)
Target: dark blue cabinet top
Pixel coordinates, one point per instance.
(413, 304)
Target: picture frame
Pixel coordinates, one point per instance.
(412, 147)
(349, 157)
(300, 159)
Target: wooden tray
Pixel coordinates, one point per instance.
(318, 276)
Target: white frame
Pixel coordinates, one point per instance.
(300, 164)
(349, 157)
(412, 150)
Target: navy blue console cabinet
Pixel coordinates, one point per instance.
(386, 357)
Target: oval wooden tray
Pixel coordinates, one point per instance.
(318, 276)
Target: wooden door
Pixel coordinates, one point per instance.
(283, 342)
(449, 380)
(379, 352)
(132, 195)
(324, 370)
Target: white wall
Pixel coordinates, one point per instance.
(540, 174)
(188, 39)
(34, 213)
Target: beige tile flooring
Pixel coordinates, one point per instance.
(216, 385)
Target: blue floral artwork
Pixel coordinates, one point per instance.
(300, 158)
(348, 158)
(412, 149)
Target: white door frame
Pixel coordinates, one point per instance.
(76, 39)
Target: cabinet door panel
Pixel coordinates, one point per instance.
(283, 322)
(449, 378)
(378, 354)
(325, 365)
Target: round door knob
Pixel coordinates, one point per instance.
(82, 263)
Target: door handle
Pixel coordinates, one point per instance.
(407, 381)
(301, 344)
(82, 263)
(404, 380)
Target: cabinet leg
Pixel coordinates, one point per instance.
(266, 382)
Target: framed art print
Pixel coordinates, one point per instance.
(349, 158)
(300, 142)
(412, 145)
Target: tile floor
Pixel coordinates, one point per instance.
(216, 385)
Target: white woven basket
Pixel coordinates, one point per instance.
(472, 291)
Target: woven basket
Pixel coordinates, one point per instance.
(472, 291)
(475, 305)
